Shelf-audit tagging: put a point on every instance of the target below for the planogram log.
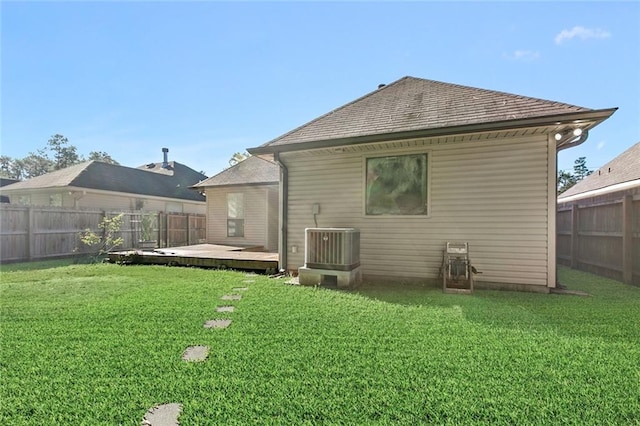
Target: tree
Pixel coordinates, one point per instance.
(64, 155)
(35, 164)
(10, 168)
(38, 163)
(238, 157)
(567, 179)
(102, 156)
(580, 169)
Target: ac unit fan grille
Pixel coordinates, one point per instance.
(332, 248)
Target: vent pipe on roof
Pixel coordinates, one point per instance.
(165, 161)
(381, 85)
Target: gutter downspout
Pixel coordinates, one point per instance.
(583, 137)
(284, 201)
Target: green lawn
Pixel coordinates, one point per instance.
(101, 344)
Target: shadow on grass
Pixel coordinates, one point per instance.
(611, 312)
(45, 264)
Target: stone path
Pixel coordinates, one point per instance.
(163, 415)
(231, 297)
(167, 414)
(196, 353)
(217, 323)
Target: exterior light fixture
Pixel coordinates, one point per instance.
(561, 134)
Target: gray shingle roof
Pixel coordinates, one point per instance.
(412, 104)
(110, 177)
(7, 181)
(624, 168)
(252, 171)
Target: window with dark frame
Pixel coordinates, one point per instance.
(396, 185)
(235, 215)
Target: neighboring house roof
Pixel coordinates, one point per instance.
(110, 177)
(413, 106)
(158, 168)
(620, 173)
(7, 181)
(252, 171)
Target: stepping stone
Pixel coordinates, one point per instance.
(163, 415)
(217, 323)
(225, 308)
(195, 353)
(240, 289)
(231, 297)
(249, 281)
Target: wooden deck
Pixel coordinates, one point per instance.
(202, 255)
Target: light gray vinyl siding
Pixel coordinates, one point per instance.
(490, 193)
(109, 201)
(273, 230)
(256, 216)
(115, 202)
(105, 202)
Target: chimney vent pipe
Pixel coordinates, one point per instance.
(165, 161)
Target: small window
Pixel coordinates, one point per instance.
(235, 215)
(396, 185)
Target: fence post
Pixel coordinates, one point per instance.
(188, 229)
(574, 236)
(627, 239)
(30, 234)
(160, 228)
(167, 220)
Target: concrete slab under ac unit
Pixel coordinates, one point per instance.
(343, 279)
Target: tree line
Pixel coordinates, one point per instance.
(566, 179)
(57, 154)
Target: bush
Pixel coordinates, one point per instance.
(105, 241)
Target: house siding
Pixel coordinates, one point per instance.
(491, 193)
(256, 216)
(273, 207)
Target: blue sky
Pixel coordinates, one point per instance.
(207, 79)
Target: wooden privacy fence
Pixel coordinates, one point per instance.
(602, 238)
(181, 229)
(32, 233)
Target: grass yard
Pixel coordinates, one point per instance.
(101, 344)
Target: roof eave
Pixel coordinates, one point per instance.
(593, 117)
(227, 185)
